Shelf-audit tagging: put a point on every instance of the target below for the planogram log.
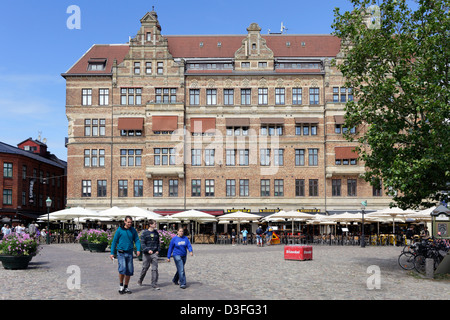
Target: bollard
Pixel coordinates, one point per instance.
(429, 268)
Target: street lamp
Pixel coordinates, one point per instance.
(48, 202)
(363, 239)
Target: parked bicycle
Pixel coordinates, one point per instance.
(414, 256)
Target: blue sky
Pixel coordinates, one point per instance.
(37, 46)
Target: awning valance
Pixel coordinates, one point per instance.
(306, 120)
(237, 122)
(345, 153)
(131, 123)
(164, 123)
(201, 125)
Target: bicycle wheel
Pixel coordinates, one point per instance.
(406, 260)
(419, 263)
(408, 248)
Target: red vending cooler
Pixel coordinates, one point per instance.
(298, 252)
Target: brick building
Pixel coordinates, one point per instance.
(216, 123)
(30, 175)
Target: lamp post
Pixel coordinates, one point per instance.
(48, 202)
(363, 239)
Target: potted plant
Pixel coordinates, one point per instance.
(82, 238)
(97, 240)
(17, 250)
(164, 238)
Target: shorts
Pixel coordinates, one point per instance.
(125, 261)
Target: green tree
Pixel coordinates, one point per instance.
(395, 56)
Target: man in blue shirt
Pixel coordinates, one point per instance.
(124, 240)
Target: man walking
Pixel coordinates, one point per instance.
(124, 240)
(150, 248)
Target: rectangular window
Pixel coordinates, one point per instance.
(164, 156)
(351, 187)
(230, 157)
(228, 97)
(101, 188)
(194, 97)
(157, 188)
(196, 155)
(209, 188)
(123, 188)
(86, 95)
(211, 96)
(86, 188)
(24, 172)
(243, 187)
(137, 68)
(296, 96)
(173, 188)
(313, 159)
(103, 96)
(262, 96)
(160, 69)
(209, 157)
(335, 94)
(265, 187)
(130, 157)
(165, 95)
(138, 190)
(299, 187)
(279, 188)
(231, 187)
(313, 95)
(313, 187)
(246, 96)
(279, 96)
(7, 170)
(196, 187)
(131, 96)
(148, 68)
(264, 157)
(336, 187)
(279, 157)
(7, 196)
(243, 157)
(262, 64)
(271, 130)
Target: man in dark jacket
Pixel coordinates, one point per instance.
(150, 247)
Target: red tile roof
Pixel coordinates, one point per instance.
(189, 47)
(315, 45)
(98, 52)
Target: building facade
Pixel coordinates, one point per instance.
(216, 123)
(30, 175)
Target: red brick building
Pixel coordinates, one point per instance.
(30, 175)
(214, 123)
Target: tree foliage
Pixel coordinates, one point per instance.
(396, 59)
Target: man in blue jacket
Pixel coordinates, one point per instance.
(124, 240)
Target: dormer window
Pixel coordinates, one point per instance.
(96, 64)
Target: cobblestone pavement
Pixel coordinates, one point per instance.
(225, 272)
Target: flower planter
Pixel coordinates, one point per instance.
(98, 247)
(85, 245)
(163, 253)
(15, 262)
